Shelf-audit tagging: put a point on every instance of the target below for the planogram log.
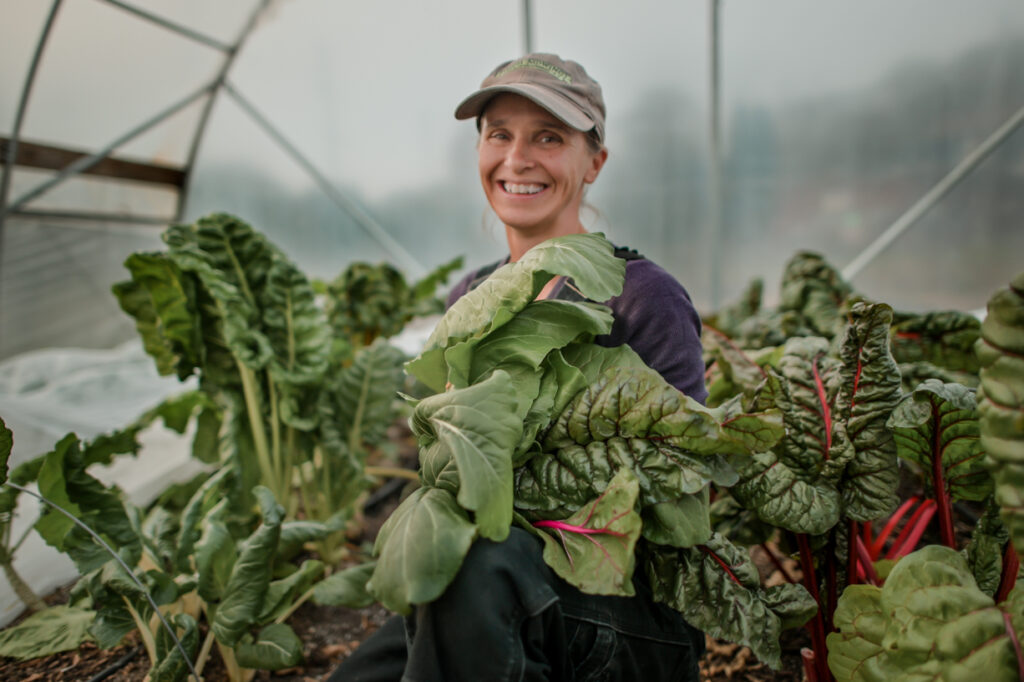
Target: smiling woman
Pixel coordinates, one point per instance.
(506, 614)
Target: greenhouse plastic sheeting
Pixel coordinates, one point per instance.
(47, 394)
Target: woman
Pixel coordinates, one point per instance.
(506, 616)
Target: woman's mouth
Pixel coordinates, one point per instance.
(522, 188)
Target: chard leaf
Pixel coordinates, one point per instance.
(276, 647)
(928, 621)
(632, 418)
(281, 594)
(734, 370)
(63, 480)
(683, 522)
(171, 666)
(250, 576)
(815, 291)
(594, 548)
(420, 548)
(984, 553)
(476, 427)
(366, 393)
(717, 589)
(47, 632)
(539, 328)
(587, 258)
(945, 339)
(936, 426)
(295, 326)
(162, 300)
(578, 365)
(346, 587)
(868, 392)
(215, 555)
(855, 650)
(201, 502)
(1001, 402)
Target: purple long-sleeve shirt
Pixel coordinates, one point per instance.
(655, 317)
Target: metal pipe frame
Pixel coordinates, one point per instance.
(92, 159)
(19, 117)
(527, 26)
(172, 26)
(361, 217)
(204, 117)
(715, 141)
(934, 195)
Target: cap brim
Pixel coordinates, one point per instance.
(559, 106)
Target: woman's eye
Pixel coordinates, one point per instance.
(548, 138)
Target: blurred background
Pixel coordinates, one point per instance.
(328, 126)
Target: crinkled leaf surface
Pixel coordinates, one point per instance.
(717, 589)
(795, 484)
(1001, 402)
(420, 548)
(63, 480)
(869, 390)
(630, 417)
(929, 621)
(171, 666)
(162, 300)
(250, 576)
(594, 548)
(587, 258)
(295, 326)
(816, 291)
(478, 428)
(366, 391)
(56, 629)
(942, 338)
(936, 426)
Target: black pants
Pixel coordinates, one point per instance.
(507, 616)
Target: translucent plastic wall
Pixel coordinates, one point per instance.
(337, 137)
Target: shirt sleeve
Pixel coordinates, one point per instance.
(656, 318)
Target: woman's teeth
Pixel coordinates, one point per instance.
(522, 189)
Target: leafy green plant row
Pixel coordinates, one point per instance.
(293, 394)
(871, 398)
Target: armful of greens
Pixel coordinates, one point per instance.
(532, 423)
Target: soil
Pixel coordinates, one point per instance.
(329, 634)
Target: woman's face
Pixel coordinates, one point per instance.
(533, 167)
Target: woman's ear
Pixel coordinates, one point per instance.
(596, 164)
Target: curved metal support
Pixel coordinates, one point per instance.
(935, 194)
(12, 149)
(172, 26)
(91, 160)
(362, 218)
(204, 118)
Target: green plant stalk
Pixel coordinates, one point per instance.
(299, 602)
(204, 652)
(127, 569)
(259, 436)
(25, 593)
(290, 468)
(280, 474)
(147, 635)
(236, 673)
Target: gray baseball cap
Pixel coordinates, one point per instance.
(558, 85)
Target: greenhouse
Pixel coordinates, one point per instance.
(259, 392)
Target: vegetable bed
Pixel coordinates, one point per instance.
(847, 504)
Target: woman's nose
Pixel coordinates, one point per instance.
(518, 156)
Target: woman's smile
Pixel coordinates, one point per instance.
(533, 169)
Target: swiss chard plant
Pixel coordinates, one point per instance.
(533, 424)
(869, 398)
(367, 302)
(224, 304)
